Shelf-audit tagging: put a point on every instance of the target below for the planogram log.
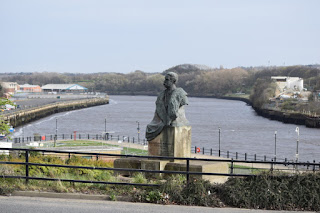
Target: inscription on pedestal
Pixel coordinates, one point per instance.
(172, 142)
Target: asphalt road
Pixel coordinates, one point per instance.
(16, 204)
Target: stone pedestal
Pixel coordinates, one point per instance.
(172, 142)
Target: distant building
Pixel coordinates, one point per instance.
(62, 88)
(288, 83)
(10, 87)
(30, 88)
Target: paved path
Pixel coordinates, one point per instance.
(48, 205)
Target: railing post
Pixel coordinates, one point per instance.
(271, 169)
(69, 156)
(195, 150)
(231, 166)
(203, 150)
(188, 169)
(314, 166)
(27, 166)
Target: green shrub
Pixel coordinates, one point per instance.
(267, 191)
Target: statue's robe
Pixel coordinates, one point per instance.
(169, 112)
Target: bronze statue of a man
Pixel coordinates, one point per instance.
(169, 107)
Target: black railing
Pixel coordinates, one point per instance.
(77, 136)
(232, 172)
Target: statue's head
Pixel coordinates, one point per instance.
(170, 80)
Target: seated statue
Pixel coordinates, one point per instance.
(169, 108)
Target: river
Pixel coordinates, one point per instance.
(242, 130)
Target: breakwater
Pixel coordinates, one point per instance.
(25, 116)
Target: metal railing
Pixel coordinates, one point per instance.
(26, 152)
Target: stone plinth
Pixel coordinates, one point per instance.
(202, 166)
(172, 142)
(195, 166)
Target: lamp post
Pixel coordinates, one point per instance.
(105, 124)
(219, 141)
(56, 135)
(138, 131)
(297, 150)
(275, 145)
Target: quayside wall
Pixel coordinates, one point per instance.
(28, 115)
(290, 117)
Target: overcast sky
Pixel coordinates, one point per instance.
(86, 36)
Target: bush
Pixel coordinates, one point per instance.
(296, 192)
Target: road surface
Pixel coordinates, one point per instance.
(16, 204)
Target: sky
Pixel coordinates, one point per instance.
(90, 36)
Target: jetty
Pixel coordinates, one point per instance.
(23, 116)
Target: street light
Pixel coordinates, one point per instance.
(55, 137)
(219, 141)
(138, 131)
(105, 125)
(297, 150)
(275, 145)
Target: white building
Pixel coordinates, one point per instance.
(285, 83)
(58, 88)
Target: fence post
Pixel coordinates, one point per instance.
(265, 158)
(71, 136)
(62, 136)
(69, 156)
(237, 155)
(79, 136)
(188, 169)
(97, 157)
(271, 169)
(118, 137)
(210, 151)
(245, 156)
(88, 136)
(27, 166)
(227, 154)
(231, 167)
(128, 139)
(132, 139)
(314, 166)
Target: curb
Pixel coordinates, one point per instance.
(68, 196)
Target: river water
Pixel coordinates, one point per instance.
(242, 130)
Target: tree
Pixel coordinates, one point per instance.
(4, 126)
